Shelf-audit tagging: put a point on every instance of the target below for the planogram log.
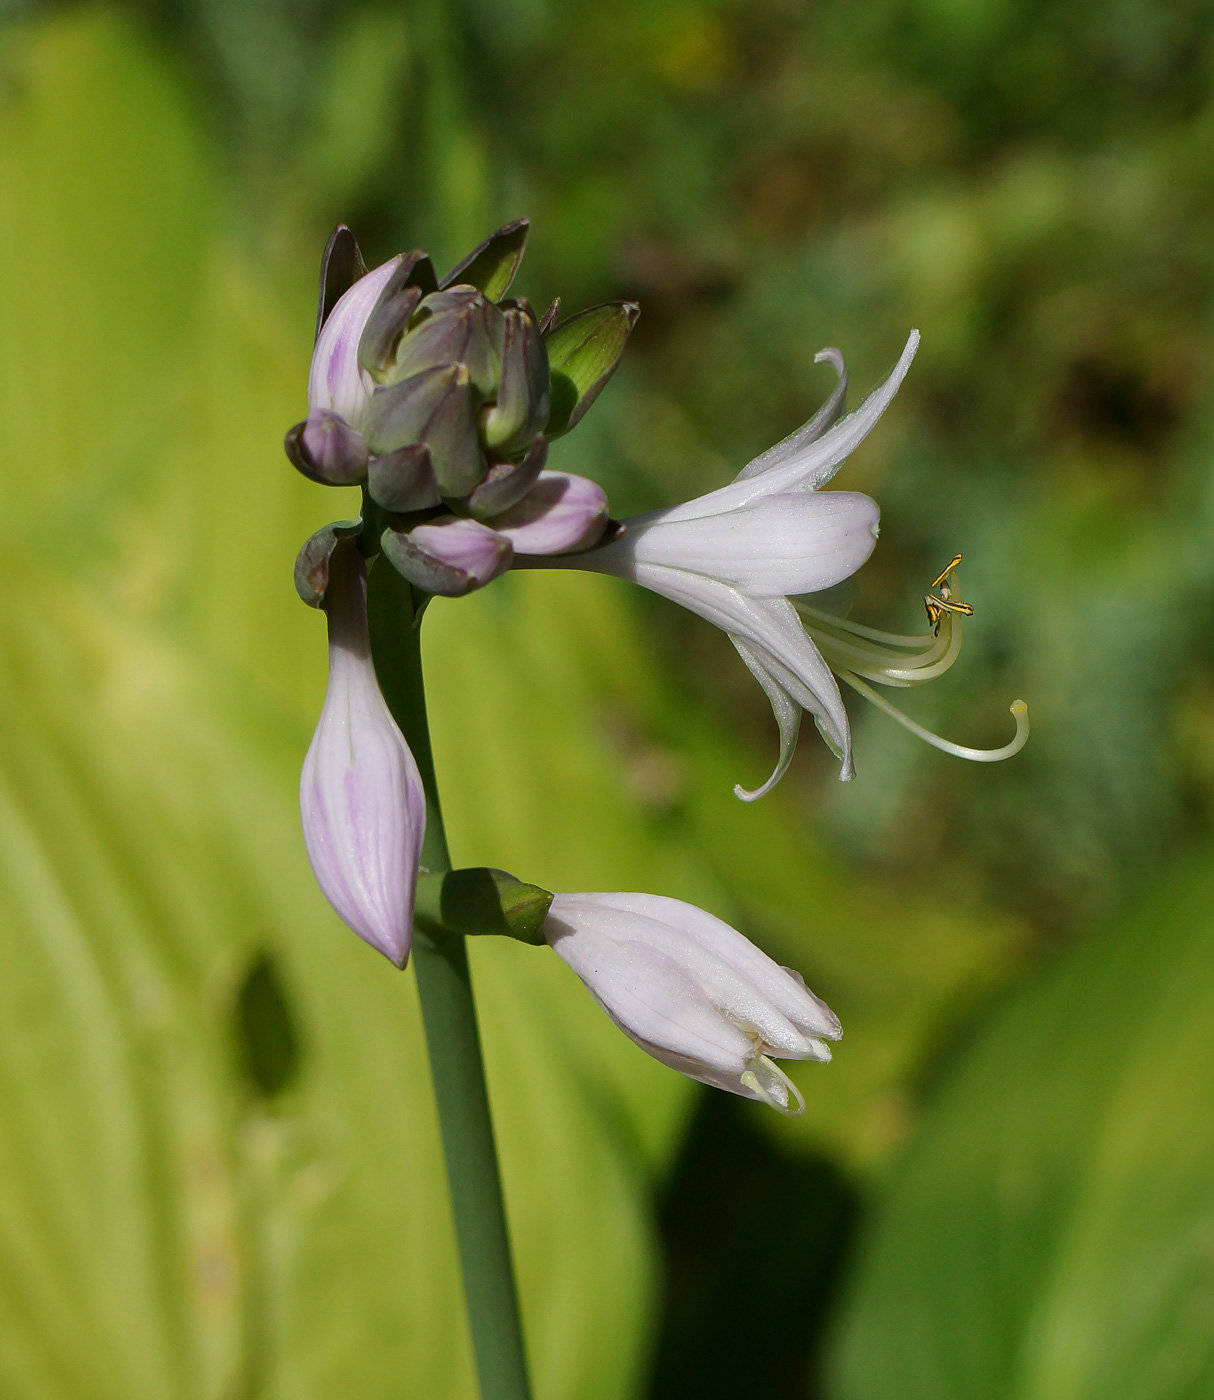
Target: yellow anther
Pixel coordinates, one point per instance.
(937, 606)
(944, 573)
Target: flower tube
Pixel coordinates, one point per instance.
(360, 794)
(693, 992)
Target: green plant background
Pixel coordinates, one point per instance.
(219, 1169)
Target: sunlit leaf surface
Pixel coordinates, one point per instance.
(1050, 1234)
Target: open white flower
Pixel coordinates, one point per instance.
(745, 556)
(693, 992)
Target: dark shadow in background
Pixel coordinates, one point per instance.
(755, 1240)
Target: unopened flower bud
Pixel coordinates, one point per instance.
(325, 448)
(411, 279)
(360, 794)
(456, 326)
(403, 480)
(692, 991)
(522, 404)
(336, 380)
(436, 407)
(449, 556)
(506, 483)
(560, 514)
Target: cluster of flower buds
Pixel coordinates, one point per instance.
(439, 398)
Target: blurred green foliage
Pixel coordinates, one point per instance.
(219, 1174)
(1050, 1232)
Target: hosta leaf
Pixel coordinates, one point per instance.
(1049, 1234)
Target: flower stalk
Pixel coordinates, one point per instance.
(452, 1038)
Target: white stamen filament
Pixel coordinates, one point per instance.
(841, 643)
(1017, 707)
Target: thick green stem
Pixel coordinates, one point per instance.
(449, 1013)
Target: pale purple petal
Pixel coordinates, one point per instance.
(467, 545)
(336, 382)
(561, 513)
(360, 794)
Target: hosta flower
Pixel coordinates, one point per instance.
(744, 556)
(360, 794)
(693, 992)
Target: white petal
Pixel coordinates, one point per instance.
(336, 382)
(775, 639)
(788, 720)
(813, 466)
(648, 995)
(723, 979)
(826, 417)
(790, 543)
(785, 989)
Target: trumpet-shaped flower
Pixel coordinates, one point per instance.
(692, 991)
(360, 794)
(745, 556)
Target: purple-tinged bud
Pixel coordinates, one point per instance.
(450, 555)
(360, 794)
(412, 279)
(404, 480)
(561, 514)
(693, 992)
(325, 448)
(436, 407)
(456, 326)
(506, 483)
(522, 403)
(336, 380)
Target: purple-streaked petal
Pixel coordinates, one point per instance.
(336, 382)
(360, 794)
(561, 513)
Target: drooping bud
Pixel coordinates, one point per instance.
(450, 556)
(336, 380)
(403, 480)
(457, 326)
(692, 991)
(438, 408)
(582, 354)
(561, 513)
(522, 404)
(360, 794)
(506, 483)
(326, 449)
